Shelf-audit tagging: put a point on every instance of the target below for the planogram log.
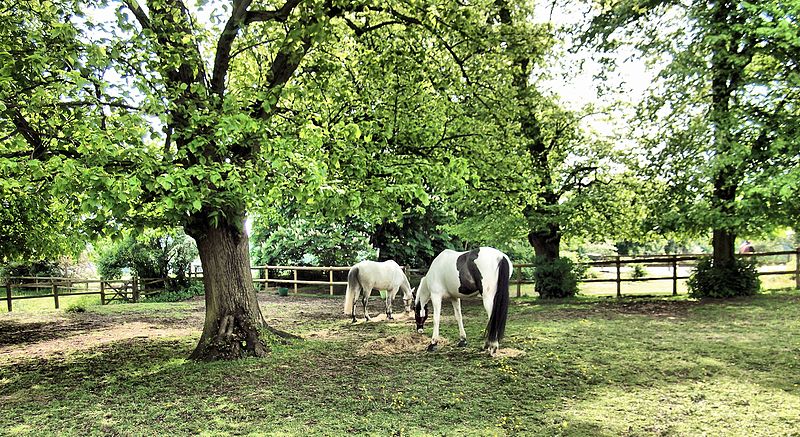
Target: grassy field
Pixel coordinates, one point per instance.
(587, 366)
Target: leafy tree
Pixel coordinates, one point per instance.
(305, 242)
(721, 123)
(154, 117)
(416, 239)
(563, 181)
(152, 254)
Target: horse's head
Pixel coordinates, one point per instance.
(408, 299)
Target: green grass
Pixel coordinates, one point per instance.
(591, 366)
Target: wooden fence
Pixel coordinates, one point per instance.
(123, 290)
(131, 290)
(670, 261)
(261, 275)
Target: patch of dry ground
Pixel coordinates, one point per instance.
(91, 338)
(57, 333)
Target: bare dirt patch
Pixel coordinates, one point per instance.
(508, 353)
(90, 339)
(398, 344)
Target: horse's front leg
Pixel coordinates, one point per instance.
(390, 294)
(437, 312)
(462, 334)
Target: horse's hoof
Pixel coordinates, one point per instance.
(433, 347)
(462, 342)
(420, 331)
(389, 317)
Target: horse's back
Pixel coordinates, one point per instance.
(465, 273)
(380, 275)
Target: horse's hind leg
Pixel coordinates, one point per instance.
(462, 334)
(364, 300)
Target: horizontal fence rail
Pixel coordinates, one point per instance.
(670, 261)
(131, 290)
(109, 290)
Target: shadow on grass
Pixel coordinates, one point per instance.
(17, 333)
(146, 386)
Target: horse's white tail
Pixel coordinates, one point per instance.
(353, 289)
(497, 320)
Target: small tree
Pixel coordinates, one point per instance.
(150, 255)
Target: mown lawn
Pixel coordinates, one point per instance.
(589, 366)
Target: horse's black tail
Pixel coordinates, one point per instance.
(353, 288)
(497, 320)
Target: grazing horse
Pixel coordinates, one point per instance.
(454, 275)
(369, 275)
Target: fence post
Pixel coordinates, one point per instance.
(619, 277)
(796, 269)
(330, 278)
(135, 289)
(674, 275)
(266, 277)
(55, 293)
(8, 295)
(519, 281)
(102, 292)
(295, 281)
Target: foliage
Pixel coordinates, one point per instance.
(307, 242)
(638, 272)
(35, 268)
(555, 279)
(179, 293)
(417, 238)
(153, 254)
(720, 122)
(78, 307)
(710, 281)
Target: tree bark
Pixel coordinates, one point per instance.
(723, 244)
(725, 74)
(234, 324)
(547, 243)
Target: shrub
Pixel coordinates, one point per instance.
(76, 308)
(709, 281)
(638, 271)
(195, 288)
(555, 279)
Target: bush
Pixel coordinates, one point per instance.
(195, 288)
(555, 279)
(76, 308)
(709, 281)
(638, 271)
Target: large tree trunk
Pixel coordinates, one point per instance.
(234, 323)
(547, 243)
(723, 244)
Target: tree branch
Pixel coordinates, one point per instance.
(280, 15)
(222, 59)
(139, 13)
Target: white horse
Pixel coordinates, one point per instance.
(454, 275)
(370, 275)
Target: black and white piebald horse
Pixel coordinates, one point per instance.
(370, 275)
(455, 275)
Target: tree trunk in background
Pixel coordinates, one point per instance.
(723, 244)
(234, 323)
(547, 243)
(726, 73)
